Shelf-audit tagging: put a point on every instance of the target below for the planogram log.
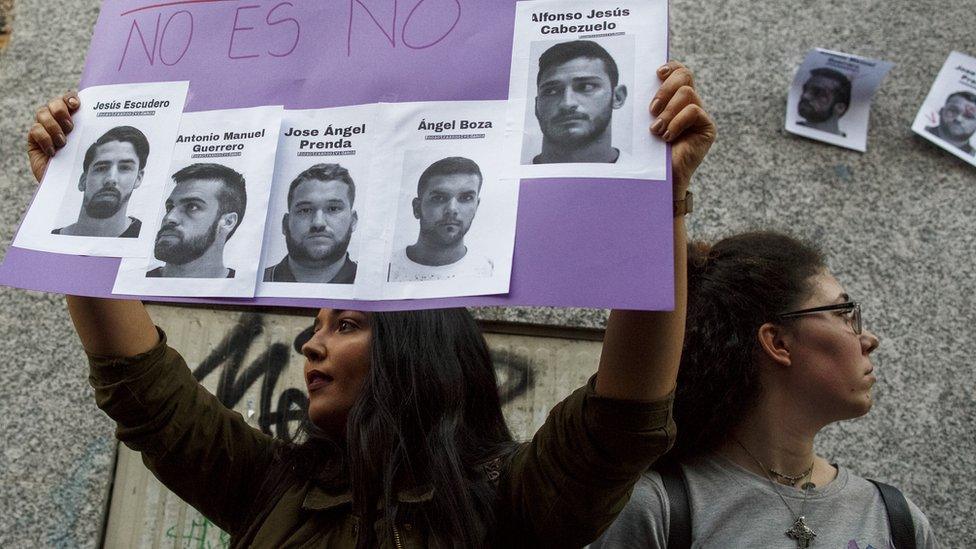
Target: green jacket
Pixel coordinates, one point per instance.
(562, 489)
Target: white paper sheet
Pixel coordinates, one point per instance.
(383, 149)
(830, 99)
(106, 182)
(319, 153)
(595, 125)
(948, 115)
(469, 230)
(202, 246)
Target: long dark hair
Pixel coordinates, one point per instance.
(734, 287)
(428, 414)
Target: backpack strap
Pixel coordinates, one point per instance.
(679, 527)
(899, 515)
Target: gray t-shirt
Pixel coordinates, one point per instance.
(733, 507)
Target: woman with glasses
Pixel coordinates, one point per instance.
(774, 352)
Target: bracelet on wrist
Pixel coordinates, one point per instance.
(684, 205)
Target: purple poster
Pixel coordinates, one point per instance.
(583, 242)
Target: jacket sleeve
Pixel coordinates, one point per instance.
(202, 451)
(567, 485)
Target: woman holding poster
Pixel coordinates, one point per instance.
(406, 445)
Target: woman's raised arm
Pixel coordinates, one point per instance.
(642, 349)
(107, 327)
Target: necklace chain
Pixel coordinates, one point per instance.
(799, 531)
(790, 478)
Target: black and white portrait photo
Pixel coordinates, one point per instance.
(947, 117)
(444, 209)
(112, 169)
(825, 98)
(210, 220)
(579, 111)
(100, 191)
(317, 227)
(202, 213)
(830, 97)
(957, 121)
(579, 94)
(321, 191)
(578, 90)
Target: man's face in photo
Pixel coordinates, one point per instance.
(447, 207)
(191, 223)
(320, 222)
(575, 101)
(110, 179)
(818, 102)
(957, 119)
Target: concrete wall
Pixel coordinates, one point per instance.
(896, 221)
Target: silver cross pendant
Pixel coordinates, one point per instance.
(801, 533)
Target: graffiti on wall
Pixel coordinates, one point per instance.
(235, 379)
(282, 416)
(201, 534)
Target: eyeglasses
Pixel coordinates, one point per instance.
(851, 307)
